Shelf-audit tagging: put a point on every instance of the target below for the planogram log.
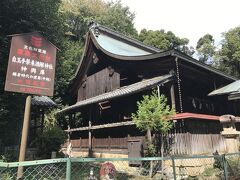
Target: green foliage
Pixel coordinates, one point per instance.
(151, 150)
(52, 137)
(3, 158)
(153, 113)
(228, 58)
(50, 119)
(165, 40)
(49, 141)
(64, 23)
(218, 161)
(205, 48)
(67, 64)
(211, 172)
(6, 176)
(119, 18)
(79, 13)
(22, 17)
(233, 162)
(10, 156)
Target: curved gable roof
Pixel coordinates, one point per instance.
(120, 44)
(118, 47)
(121, 47)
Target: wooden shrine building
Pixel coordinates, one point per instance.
(113, 74)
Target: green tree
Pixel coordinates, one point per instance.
(79, 13)
(64, 23)
(68, 61)
(228, 57)
(165, 40)
(205, 48)
(153, 115)
(22, 17)
(119, 18)
(52, 137)
(50, 140)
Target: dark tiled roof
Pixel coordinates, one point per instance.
(42, 101)
(123, 91)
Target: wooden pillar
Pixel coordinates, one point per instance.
(70, 120)
(172, 96)
(80, 143)
(214, 84)
(90, 133)
(42, 120)
(25, 128)
(42, 125)
(109, 142)
(34, 128)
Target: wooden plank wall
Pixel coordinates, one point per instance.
(186, 143)
(180, 143)
(101, 143)
(101, 82)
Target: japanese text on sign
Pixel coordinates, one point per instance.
(31, 65)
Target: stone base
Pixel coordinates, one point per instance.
(232, 145)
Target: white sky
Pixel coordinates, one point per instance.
(186, 18)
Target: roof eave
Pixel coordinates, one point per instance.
(127, 39)
(123, 91)
(198, 63)
(74, 80)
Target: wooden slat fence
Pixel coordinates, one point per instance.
(101, 143)
(179, 143)
(186, 143)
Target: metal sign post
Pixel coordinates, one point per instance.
(24, 135)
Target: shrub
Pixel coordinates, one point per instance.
(50, 140)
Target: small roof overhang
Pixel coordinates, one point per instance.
(234, 96)
(227, 90)
(188, 115)
(43, 101)
(122, 91)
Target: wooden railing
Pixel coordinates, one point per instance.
(102, 143)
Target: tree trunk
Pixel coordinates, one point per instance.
(149, 137)
(162, 151)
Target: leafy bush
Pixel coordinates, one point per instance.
(210, 171)
(233, 165)
(151, 150)
(11, 156)
(50, 140)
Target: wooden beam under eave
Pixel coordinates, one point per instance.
(111, 125)
(178, 116)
